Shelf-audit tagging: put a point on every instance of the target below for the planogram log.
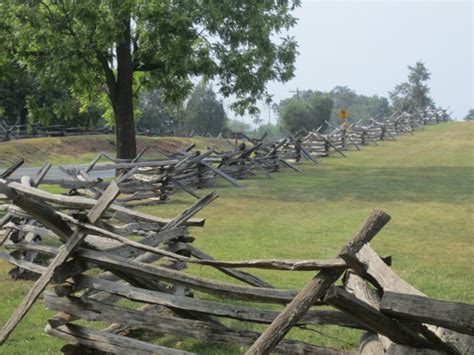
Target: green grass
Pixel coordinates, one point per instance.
(82, 149)
(425, 182)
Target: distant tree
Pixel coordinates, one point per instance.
(343, 96)
(122, 47)
(273, 132)
(378, 106)
(307, 110)
(234, 125)
(413, 95)
(155, 115)
(257, 120)
(360, 107)
(470, 115)
(204, 112)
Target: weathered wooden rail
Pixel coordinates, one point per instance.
(88, 252)
(314, 144)
(142, 258)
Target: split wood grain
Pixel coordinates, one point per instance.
(73, 240)
(452, 315)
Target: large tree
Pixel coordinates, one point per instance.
(413, 95)
(204, 112)
(122, 46)
(307, 109)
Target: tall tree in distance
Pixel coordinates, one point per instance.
(204, 112)
(307, 109)
(413, 95)
(123, 46)
(155, 115)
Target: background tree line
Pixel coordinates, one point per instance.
(313, 109)
(202, 113)
(26, 100)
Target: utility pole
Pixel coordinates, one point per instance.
(297, 92)
(269, 113)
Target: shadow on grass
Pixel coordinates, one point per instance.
(427, 184)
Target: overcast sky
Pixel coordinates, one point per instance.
(367, 45)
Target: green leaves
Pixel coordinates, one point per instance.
(361, 107)
(413, 95)
(307, 110)
(204, 113)
(73, 45)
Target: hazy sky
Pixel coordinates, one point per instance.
(367, 45)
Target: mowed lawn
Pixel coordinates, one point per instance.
(425, 182)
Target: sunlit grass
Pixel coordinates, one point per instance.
(425, 182)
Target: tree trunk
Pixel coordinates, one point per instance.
(123, 101)
(23, 118)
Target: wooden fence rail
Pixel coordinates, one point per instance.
(95, 252)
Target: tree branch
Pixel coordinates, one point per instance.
(147, 67)
(109, 75)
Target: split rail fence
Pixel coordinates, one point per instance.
(94, 253)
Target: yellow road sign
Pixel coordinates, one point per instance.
(343, 114)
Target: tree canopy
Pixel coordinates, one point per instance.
(413, 95)
(201, 113)
(307, 109)
(155, 115)
(24, 100)
(360, 107)
(204, 112)
(470, 115)
(121, 47)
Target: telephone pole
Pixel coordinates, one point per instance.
(297, 92)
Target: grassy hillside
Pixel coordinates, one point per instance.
(425, 182)
(82, 149)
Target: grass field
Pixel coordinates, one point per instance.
(425, 182)
(82, 149)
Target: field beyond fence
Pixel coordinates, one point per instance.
(425, 182)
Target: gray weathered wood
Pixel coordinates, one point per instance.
(12, 168)
(315, 289)
(40, 175)
(368, 264)
(65, 250)
(238, 274)
(452, 315)
(222, 174)
(369, 344)
(158, 273)
(87, 203)
(97, 311)
(241, 313)
(108, 342)
(374, 319)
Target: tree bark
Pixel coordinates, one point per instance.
(23, 118)
(123, 100)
